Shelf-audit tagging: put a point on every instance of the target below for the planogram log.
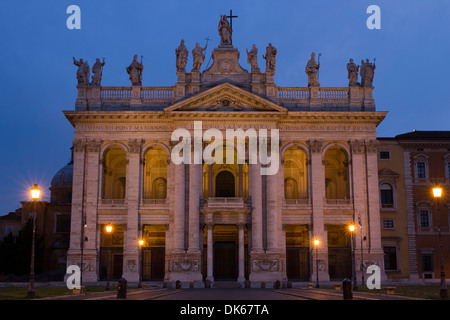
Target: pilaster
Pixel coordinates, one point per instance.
(317, 201)
(131, 247)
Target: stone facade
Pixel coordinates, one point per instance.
(217, 221)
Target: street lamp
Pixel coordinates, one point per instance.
(352, 229)
(108, 230)
(437, 194)
(141, 243)
(35, 193)
(316, 245)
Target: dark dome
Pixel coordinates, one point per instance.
(63, 178)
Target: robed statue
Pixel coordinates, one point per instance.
(311, 70)
(367, 72)
(135, 71)
(352, 70)
(97, 70)
(83, 72)
(224, 30)
(252, 58)
(182, 57)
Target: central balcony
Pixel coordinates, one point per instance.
(225, 203)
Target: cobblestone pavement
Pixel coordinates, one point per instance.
(229, 294)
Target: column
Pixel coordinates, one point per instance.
(195, 190)
(374, 221)
(272, 213)
(77, 210)
(241, 182)
(359, 196)
(209, 253)
(91, 192)
(179, 199)
(241, 254)
(318, 198)
(210, 181)
(131, 247)
(255, 185)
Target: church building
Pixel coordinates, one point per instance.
(141, 168)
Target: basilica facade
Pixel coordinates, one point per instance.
(203, 222)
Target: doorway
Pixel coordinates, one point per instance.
(225, 239)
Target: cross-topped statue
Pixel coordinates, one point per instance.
(226, 29)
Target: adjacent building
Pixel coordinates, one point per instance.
(415, 224)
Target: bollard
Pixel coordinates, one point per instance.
(347, 289)
(122, 289)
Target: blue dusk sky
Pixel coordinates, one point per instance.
(38, 77)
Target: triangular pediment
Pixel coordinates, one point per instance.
(225, 97)
(387, 172)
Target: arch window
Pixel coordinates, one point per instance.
(336, 173)
(114, 173)
(295, 174)
(155, 174)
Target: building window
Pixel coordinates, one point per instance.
(385, 155)
(420, 167)
(62, 224)
(387, 197)
(424, 218)
(390, 258)
(427, 263)
(388, 224)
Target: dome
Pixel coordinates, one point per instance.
(63, 178)
(61, 185)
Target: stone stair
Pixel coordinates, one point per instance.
(227, 285)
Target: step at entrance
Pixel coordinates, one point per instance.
(227, 284)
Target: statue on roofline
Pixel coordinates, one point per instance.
(97, 70)
(83, 72)
(252, 58)
(311, 70)
(352, 70)
(199, 56)
(270, 58)
(182, 57)
(135, 71)
(367, 72)
(224, 30)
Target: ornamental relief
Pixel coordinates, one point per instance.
(265, 265)
(185, 265)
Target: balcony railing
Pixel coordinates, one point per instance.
(339, 201)
(297, 202)
(97, 98)
(113, 202)
(222, 202)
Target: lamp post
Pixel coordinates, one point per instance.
(141, 243)
(108, 230)
(352, 229)
(437, 194)
(35, 193)
(316, 246)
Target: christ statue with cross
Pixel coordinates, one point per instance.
(226, 28)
